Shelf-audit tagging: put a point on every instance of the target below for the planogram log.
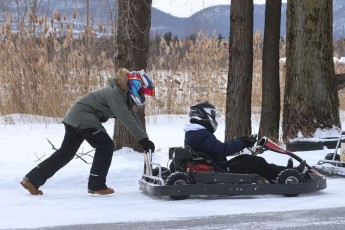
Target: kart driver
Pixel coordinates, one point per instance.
(199, 136)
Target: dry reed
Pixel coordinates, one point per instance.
(43, 70)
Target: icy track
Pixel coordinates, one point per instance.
(66, 201)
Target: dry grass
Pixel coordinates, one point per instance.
(340, 68)
(43, 74)
(189, 71)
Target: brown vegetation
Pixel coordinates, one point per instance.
(43, 71)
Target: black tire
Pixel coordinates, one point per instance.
(329, 156)
(330, 144)
(304, 146)
(178, 178)
(290, 176)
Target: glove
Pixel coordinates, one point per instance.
(251, 140)
(147, 144)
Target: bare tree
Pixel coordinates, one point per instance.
(238, 100)
(311, 99)
(132, 43)
(270, 108)
(87, 13)
(4, 9)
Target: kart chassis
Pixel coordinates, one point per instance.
(227, 184)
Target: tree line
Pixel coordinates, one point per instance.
(310, 99)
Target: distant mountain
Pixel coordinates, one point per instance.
(216, 19)
(101, 12)
(211, 20)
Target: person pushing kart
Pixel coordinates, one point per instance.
(83, 121)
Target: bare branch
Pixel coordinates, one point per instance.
(39, 158)
(53, 147)
(77, 156)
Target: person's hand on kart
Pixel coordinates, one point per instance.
(257, 149)
(147, 145)
(251, 140)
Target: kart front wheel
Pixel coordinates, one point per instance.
(290, 176)
(178, 178)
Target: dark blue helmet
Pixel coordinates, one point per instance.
(205, 114)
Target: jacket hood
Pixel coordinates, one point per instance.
(192, 127)
(120, 79)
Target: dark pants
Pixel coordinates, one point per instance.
(247, 164)
(74, 137)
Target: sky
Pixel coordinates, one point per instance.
(66, 202)
(185, 8)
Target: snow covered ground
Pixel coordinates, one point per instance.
(66, 201)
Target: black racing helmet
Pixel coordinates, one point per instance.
(205, 114)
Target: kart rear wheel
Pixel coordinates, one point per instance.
(290, 176)
(178, 178)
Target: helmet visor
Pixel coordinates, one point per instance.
(214, 113)
(136, 92)
(149, 91)
(148, 87)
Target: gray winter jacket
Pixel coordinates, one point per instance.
(107, 102)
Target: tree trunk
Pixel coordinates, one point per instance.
(270, 108)
(141, 31)
(123, 36)
(239, 88)
(340, 81)
(311, 99)
(134, 21)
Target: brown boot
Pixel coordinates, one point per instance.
(105, 191)
(30, 187)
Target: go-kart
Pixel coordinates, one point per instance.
(194, 173)
(334, 163)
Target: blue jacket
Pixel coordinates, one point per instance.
(200, 139)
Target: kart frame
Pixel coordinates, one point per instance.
(237, 184)
(333, 167)
(333, 160)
